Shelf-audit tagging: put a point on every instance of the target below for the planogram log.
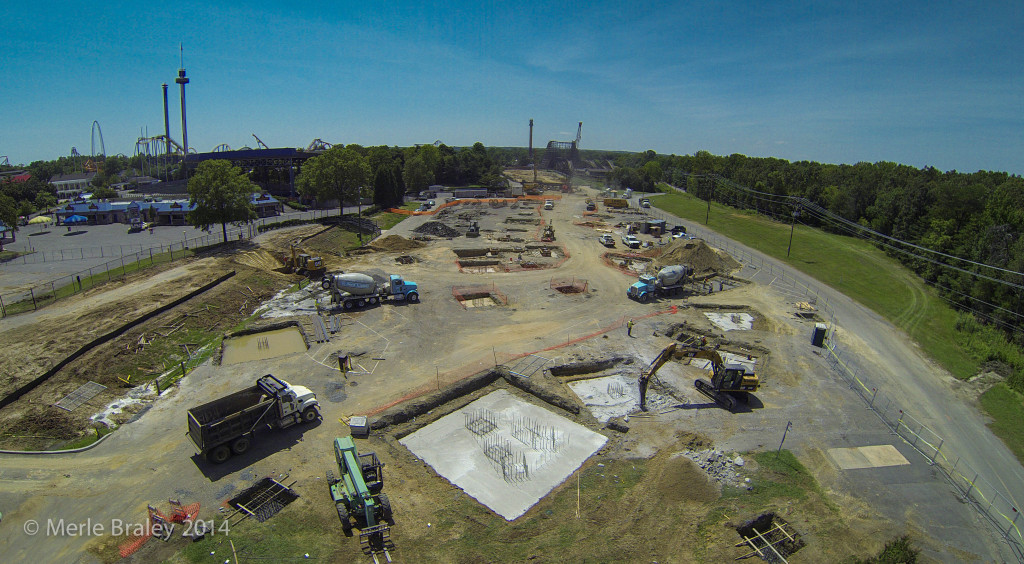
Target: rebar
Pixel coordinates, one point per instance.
(480, 422)
(536, 436)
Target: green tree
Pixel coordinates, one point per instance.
(221, 193)
(103, 193)
(45, 200)
(338, 173)
(8, 215)
(418, 176)
(386, 192)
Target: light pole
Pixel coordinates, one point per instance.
(792, 224)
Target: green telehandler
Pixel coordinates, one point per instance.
(358, 498)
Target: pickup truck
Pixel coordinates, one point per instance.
(607, 240)
(645, 203)
(631, 241)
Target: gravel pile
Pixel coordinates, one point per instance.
(437, 229)
(720, 467)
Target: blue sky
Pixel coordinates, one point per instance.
(913, 82)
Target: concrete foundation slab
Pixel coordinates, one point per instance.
(504, 452)
(731, 321)
(867, 457)
(616, 395)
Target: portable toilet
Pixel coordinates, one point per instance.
(818, 337)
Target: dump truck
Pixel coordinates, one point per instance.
(228, 425)
(669, 281)
(355, 289)
(357, 495)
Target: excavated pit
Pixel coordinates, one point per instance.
(264, 499)
(587, 367)
(770, 529)
(262, 345)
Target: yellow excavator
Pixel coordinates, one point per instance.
(729, 382)
(302, 263)
(651, 370)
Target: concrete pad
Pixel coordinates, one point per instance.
(727, 358)
(608, 396)
(458, 454)
(867, 457)
(731, 321)
(617, 395)
(883, 455)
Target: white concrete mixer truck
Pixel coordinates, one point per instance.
(355, 289)
(669, 281)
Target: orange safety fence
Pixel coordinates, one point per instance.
(473, 201)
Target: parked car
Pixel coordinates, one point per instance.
(607, 240)
(631, 241)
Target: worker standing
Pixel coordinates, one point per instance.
(629, 328)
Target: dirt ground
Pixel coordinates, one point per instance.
(638, 491)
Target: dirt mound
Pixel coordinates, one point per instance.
(682, 480)
(259, 259)
(697, 254)
(395, 243)
(437, 229)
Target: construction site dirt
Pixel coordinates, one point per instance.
(650, 483)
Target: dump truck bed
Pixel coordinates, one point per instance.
(231, 416)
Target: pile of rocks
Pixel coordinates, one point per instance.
(437, 229)
(720, 467)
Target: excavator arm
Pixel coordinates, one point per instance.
(659, 361)
(651, 370)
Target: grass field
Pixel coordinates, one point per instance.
(861, 271)
(1007, 410)
(852, 266)
(610, 517)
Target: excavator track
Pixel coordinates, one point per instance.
(721, 398)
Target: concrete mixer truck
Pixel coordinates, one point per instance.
(669, 281)
(354, 289)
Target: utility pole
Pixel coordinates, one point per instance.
(789, 425)
(711, 188)
(792, 224)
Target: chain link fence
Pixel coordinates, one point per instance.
(129, 258)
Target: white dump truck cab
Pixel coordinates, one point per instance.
(295, 403)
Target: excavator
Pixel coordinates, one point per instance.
(651, 370)
(302, 263)
(729, 382)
